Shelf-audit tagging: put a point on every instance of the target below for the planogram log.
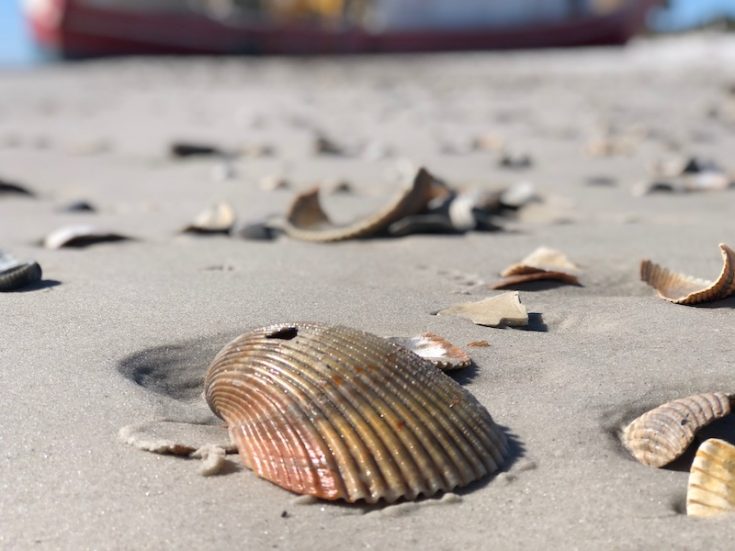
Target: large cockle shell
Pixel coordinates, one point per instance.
(307, 220)
(684, 289)
(338, 413)
(711, 490)
(659, 436)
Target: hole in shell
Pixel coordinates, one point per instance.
(285, 334)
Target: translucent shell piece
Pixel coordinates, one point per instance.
(659, 436)
(684, 289)
(307, 220)
(438, 350)
(219, 218)
(338, 413)
(711, 490)
(505, 309)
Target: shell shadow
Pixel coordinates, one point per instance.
(535, 323)
(465, 375)
(542, 285)
(37, 286)
(174, 370)
(724, 303)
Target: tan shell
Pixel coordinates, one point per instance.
(219, 218)
(659, 436)
(438, 350)
(711, 490)
(684, 289)
(505, 309)
(542, 264)
(307, 220)
(338, 413)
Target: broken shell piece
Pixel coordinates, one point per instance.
(169, 437)
(273, 182)
(688, 183)
(659, 436)
(683, 289)
(16, 275)
(217, 219)
(80, 236)
(515, 160)
(78, 206)
(711, 489)
(439, 351)
(505, 309)
(542, 264)
(190, 149)
(324, 145)
(518, 195)
(10, 188)
(306, 220)
(338, 413)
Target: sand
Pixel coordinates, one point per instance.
(121, 333)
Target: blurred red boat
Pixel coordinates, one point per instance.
(84, 28)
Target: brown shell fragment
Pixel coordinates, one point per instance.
(683, 289)
(711, 489)
(438, 350)
(505, 309)
(542, 264)
(659, 436)
(306, 220)
(338, 413)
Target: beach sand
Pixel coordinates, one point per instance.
(121, 333)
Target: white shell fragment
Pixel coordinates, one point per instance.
(79, 236)
(219, 218)
(436, 349)
(497, 311)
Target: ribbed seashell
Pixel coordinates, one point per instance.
(438, 350)
(659, 436)
(542, 264)
(338, 413)
(711, 489)
(80, 236)
(219, 218)
(19, 275)
(683, 289)
(307, 220)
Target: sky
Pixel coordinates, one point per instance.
(16, 47)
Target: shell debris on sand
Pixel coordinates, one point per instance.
(339, 413)
(661, 435)
(711, 489)
(542, 264)
(79, 236)
(217, 219)
(11, 188)
(438, 350)
(497, 311)
(306, 220)
(16, 275)
(683, 289)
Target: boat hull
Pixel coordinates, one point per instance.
(74, 29)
